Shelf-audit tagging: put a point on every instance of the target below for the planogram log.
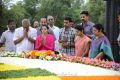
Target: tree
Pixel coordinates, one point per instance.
(96, 9)
(35, 9)
(31, 7)
(59, 9)
(56, 8)
(18, 12)
(77, 6)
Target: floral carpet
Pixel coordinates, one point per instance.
(13, 72)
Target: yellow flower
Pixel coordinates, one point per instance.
(6, 67)
(39, 53)
(36, 78)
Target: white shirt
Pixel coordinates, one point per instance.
(25, 44)
(7, 38)
(56, 33)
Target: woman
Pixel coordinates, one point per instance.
(82, 42)
(45, 41)
(100, 46)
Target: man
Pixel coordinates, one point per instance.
(66, 38)
(24, 37)
(36, 24)
(84, 16)
(50, 21)
(7, 36)
(43, 21)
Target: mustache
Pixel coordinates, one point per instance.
(83, 19)
(13, 26)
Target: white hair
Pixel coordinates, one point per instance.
(25, 21)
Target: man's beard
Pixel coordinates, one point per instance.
(12, 29)
(36, 26)
(83, 21)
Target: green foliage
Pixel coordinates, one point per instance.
(24, 73)
(31, 6)
(13, 13)
(19, 13)
(35, 9)
(97, 10)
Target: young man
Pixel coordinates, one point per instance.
(87, 25)
(7, 36)
(66, 38)
(25, 37)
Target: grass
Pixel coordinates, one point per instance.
(1, 63)
(25, 73)
(11, 71)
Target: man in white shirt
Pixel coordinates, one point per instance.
(7, 36)
(50, 21)
(25, 37)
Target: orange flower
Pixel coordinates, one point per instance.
(49, 52)
(32, 53)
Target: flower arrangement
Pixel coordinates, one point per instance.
(51, 55)
(13, 72)
(37, 54)
(94, 62)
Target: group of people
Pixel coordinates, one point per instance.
(84, 40)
